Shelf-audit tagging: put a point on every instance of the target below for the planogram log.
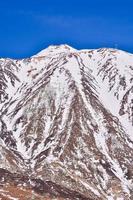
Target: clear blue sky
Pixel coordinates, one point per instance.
(27, 26)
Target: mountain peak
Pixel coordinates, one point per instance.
(66, 123)
(55, 49)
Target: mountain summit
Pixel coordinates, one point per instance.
(66, 125)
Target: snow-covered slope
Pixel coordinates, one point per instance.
(66, 116)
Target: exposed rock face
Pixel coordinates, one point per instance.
(66, 123)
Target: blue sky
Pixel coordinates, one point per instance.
(29, 26)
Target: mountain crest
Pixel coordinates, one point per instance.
(55, 49)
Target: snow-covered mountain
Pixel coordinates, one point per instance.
(66, 123)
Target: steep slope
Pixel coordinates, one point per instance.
(67, 117)
(114, 73)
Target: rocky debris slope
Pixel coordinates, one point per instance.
(66, 118)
